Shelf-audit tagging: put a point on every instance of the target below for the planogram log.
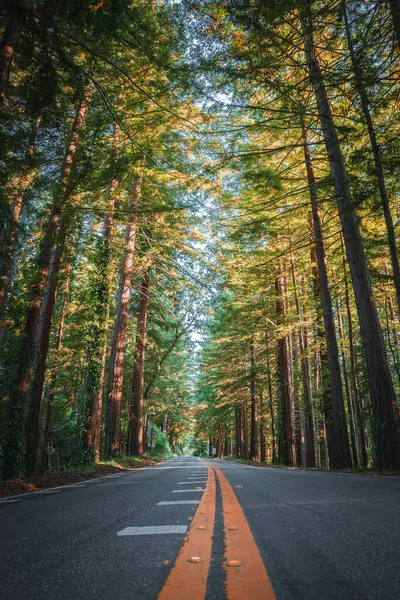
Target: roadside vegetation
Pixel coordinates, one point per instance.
(199, 205)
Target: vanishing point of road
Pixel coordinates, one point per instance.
(194, 529)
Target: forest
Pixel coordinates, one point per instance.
(199, 205)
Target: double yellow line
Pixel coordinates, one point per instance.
(245, 574)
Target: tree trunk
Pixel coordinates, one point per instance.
(97, 334)
(136, 416)
(14, 449)
(253, 397)
(8, 42)
(350, 411)
(43, 348)
(353, 375)
(358, 78)
(322, 369)
(263, 446)
(285, 369)
(245, 439)
(16, 212)
(262, 436)
(305, 372)
(112, 442)
(65, 216)
(270, 400)
(54, 367)
(220, 443)
(238, 433)
(383, 399)
(335, 419)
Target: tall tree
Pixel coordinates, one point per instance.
(136, 440)
(383, 398)
(112, 425)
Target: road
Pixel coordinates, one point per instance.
(294, 535)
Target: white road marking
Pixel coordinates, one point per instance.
(48, 492)
(169, 502)
(185, 491)
(191, 482)
(165, 468)
(9, 501)
(162, 529)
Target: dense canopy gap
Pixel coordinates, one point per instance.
(199, 209)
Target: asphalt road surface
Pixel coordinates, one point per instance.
(285, 534)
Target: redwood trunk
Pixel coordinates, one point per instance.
(353, 375)
(238, 433)
(54, 368)
(245, 439)
(136, 416)
(113, 416)
(270, 400)
(306, 378)
(95, 407)
(335, 418)
(350, 410)
(285, 369)
(253, 395)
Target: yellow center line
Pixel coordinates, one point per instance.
(188, 577)
(246, 576)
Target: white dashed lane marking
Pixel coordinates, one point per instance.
(162, 529)
(186, 491)
(169, 502)
(191, 482)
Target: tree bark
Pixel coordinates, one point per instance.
(112, 434)
(245, 439)
(325, 436)
(136, 416)
(253, 397)
(98, 334)
(383, 399)
(350, 410)
(270, 399)
(305, 372)
(353, 373)
(14, 449)
(238, 433)
(335, 419)
(220, 443)
(54, 367)
(285, 369)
